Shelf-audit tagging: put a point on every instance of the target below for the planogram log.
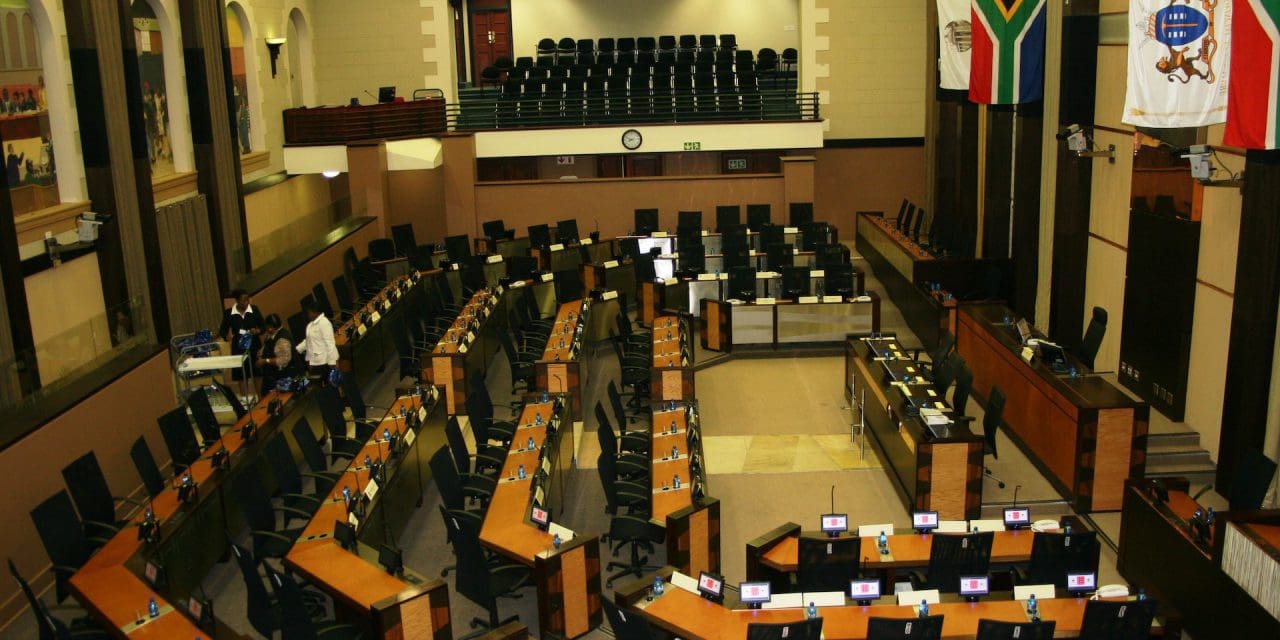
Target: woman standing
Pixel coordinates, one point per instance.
(241, 326)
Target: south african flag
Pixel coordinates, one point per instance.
(1008, 51)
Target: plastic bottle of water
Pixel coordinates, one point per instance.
(675, 482)
(884, 543)
(1033, 609)
(813, 610)
(657, 585)
(153, 609)
(924, 608)
(555, 540)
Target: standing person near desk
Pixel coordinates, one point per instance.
(275, 359)
(318, 345)
(241, 326)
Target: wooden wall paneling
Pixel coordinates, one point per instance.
(966, 189)
(997, 179)
(1025, 248)
(1253, 317)
(1070, 248)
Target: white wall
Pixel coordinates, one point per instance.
(756, 23)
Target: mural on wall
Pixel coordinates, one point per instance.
(30, 170)
(239, 79)
(155, 101)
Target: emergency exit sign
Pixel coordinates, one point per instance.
(693, 146)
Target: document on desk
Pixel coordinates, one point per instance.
(934, 417)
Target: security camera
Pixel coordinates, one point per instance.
(1198, 156)
(1067, 132)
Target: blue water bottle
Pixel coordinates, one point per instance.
(675, 481)
(884, 543)
(675, 452)
(520, 472)
(924, 608)
(657, 585)
(530, 445)
(813, 610)
(153, 609)
(555, 540)
(1033, 609)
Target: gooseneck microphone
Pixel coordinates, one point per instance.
(833, 499)
(1015, 494)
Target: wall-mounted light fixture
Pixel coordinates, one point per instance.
(330, 173)
(273, 48)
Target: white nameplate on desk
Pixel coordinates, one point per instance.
(706, 276)
(422, 412)
(386, 305)
(658, 234)
(670, 281)
(454, 267)
(722, 276)
(765, 300)
(704, 233)
(462, 348)
(791, 229)
(548, 277)
(411, 435)
(373, 319)
(832, 299)
(493, 259)
(565, 533)
(353, 520)
(371, 489)
(585, 241)
(807, 299)
(609, 295)
(817, 273)
(517, 284)
(556, 247)
(361, 329)
(609, 264)
(470, 336)
(862, 299)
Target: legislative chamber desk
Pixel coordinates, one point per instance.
(568, 257)
(671, 378)
(468, 345)
(686, 294)
(365, 339)
(568, 578)
(688, 615)
(390, 607)
(1084, 434)
(906, 270)
(1193, 580)
(689, 517)
(114, 584)
(560, 370)
(934, 468)
(775, 324)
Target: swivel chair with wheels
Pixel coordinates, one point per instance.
(990, 426)
(1093, 334)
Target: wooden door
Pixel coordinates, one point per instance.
(490, 38)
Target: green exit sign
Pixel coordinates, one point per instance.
(693, 146)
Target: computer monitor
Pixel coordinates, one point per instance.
(973, 587)
(539, 516)
(1017, 517)
(834, 524)
(458, 248)
(539, 236)
(1053, 355)
(646, 221)
(391, 559)
(345, 534)
(864, 591)
(795, 281)
(567, 231)
(754, 593)
(711, 586)
(1080, 583)
(386, 94)
(630, 247)
(742, 283)
(924, 521)
(494, 229)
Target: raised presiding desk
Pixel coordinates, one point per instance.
(560, 369)
(118, 581)
(365, 340)
(406, 606)
(774, 323)
(568, 577)
(934, 461)
(1083, 432)
(688, 615)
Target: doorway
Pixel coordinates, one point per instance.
(490, 22)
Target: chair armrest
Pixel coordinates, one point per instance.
(102, 525)
(270, 534)
(302, 496)
(120, 499)
(297, 513)
(337, 627)
(331, 476)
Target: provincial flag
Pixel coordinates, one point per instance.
(1178, 63)
(955, 43)
(1008, 51)
(1253, 94)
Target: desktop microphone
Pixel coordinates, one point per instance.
(863, 572)
(833, 499)
(1015, 495)
(366, 92)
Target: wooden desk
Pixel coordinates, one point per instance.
(365, 341)
(906, 551)
(394, 607)
(687, 615)
(111, 585)
(931, 472)
(349, 123)
(560, 369)
(565, 257)
(505, 247)
(568, 578)
(467, 346)
(1085, 435)
(1158, 554)
(727, 325)
(671, 379)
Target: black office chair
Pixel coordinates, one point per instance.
(630, 465)
(49, 627)
(952, 556)
(633, 497)
(92, 496)
(475, 484)
(693, 260)
(269, 539)
(483, 580)
(804, 630)
(297, 621)
(689, 220)
(261, 608)
(289, 478)
(946, 374)
(447, 481)
(937, 356)
(333, 417)
(646, 221)
(964, 387)
(780, 255)
(619, 411)
(990, 426)
(827, 564)
(629, 530)
(929, 628)
(1054, 554)
(999, 630)
(230, 396)
(1092, 339)
(145, 463)
(522, 362)
(728, 215)
(342, 295)
(758, 215)
(634, 442)
(480, 409)
(626, 627)
(1118, 620)
(206, 420)
(312, 452)
(800, 214)
(402, 237)
(64, 539)
(179, 438)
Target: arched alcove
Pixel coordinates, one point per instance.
(159, 48)
(244, 79)
(301, 62)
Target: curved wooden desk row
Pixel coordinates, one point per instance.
(567, 578)
(560, 369)
(368, 316)
(688, 615)
(671, 378)
(396, 607)
(366, 339)
(933, 468)
(467, 339)
(780, 550)
(115, 583)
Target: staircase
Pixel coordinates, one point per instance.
(1178, 453)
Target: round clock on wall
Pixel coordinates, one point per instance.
(631, 139)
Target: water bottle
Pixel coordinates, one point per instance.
(820, 289)
(544, 396)
(1066, 529)
(1142, 594)
(530, 445)
(657, 585)
(520, 472)
(884, 543)
(555, 541)
(153, 609)
(1208, 519)
(675, 452)
(537, 420)
(924, 608)
(386, 434)
(673, 426)
(813, 610)
(346, 494)
(368, 462)
(1033, 609)
(675, 482)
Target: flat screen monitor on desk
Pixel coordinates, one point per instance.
(711, 586)
(1053, 355)
(540, 517)
(1081, 583)
(1017, 517)
(924, 521)
(386, 94)
(754, 593)
(972, 587)
(834, 524)
(864, 591)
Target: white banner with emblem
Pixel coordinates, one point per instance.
(955, 41)
(1179, 51)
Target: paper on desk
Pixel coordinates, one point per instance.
(684, 582)
(565, 533)
(784, 601)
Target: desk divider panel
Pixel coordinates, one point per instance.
(693, 538)
(757, 570)
(568, 582)
(420, 613)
